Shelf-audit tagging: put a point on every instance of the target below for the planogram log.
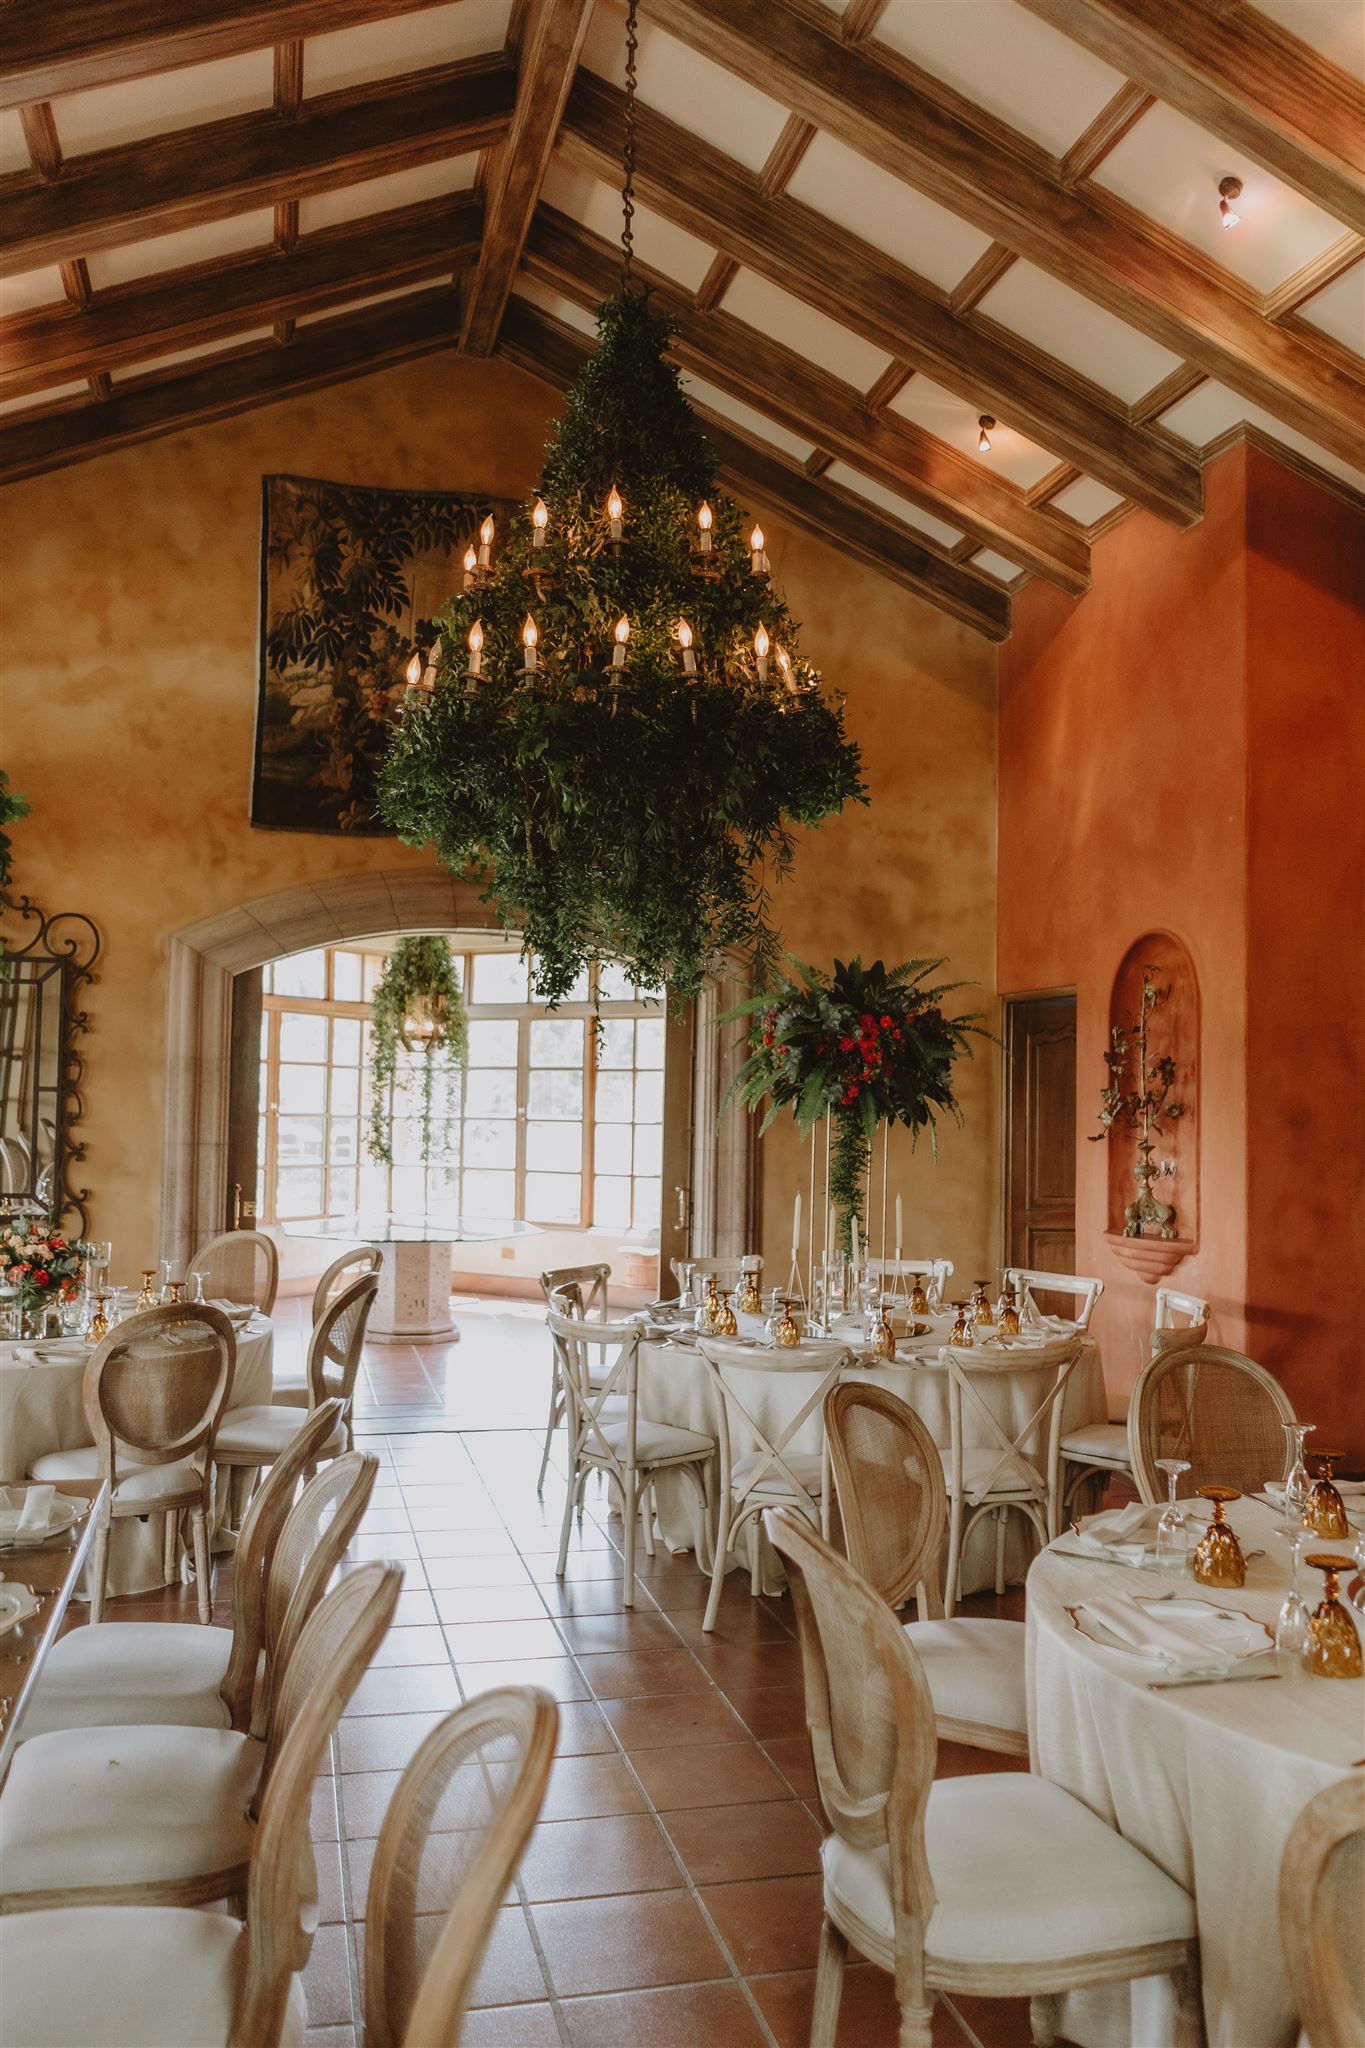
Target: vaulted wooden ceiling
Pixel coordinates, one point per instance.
(873, 221)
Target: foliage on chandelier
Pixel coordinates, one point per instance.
(417, 1006)
(635, 813)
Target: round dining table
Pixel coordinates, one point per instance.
(42, 1410)
(1207, 1780)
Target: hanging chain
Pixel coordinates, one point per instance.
(628, 150)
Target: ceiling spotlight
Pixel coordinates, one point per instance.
(1228, 190)
(983, 446)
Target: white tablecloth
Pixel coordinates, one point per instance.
(41, 1410)
(674, 1388)
(1206, 1781)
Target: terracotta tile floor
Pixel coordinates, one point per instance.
(669, 1897)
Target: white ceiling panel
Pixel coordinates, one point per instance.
(690, 89)
(856, 194)
(403, 42)
(13, 148)
(991, 564)
(154, 366)
(382, 195)
(137, 107)
(898, 507)
(798, 326)
(1340, 310)
(1169, 168)
(1212, 409)
(756, 424)
(204, 244)
(374, 299)
(953, 420)
(1334, 28)
(1007, 61)
(1086, 501)
(597, 207)
(1080, 334)
(76, 390)
(32, 288)
(564, 310)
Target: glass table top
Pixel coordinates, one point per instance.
(446, 1228)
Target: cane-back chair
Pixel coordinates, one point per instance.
(1218, 1410)
(238, 1265)
(1322, 1914)
(575, 1291)
(254, 1436)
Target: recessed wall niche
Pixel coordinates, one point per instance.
(1172, 1031)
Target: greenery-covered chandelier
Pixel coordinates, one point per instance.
(616, 730)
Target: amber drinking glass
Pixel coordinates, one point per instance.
(1324, 1511)
(1218, 1559)
(1333, 1647)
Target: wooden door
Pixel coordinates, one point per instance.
(1040, 1132)
(244, 1102)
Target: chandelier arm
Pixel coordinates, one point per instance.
(628, 149)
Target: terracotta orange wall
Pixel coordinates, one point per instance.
(1183, 750)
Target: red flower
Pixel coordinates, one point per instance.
(767, 1038)
(886, 1023)
(845, 1045)
(42, 1279)
(58, 1244)
(867, 1023)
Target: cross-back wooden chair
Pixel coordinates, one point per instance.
(238, 1265)
(454, 1833)
(1217, 1409)
(254, 1436)
(163, 1977)
(1031, 1281)
(154, 1392)
(893, 1504)
(176, 1671)
(1001, 1476)
(607, 1433)
(998, 1884)
(143, 1815)
(1322, 1913)
(1093, 1452)
(580, 1291)
(356, 1264)
(774, 1473)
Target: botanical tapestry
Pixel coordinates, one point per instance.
(350, 581)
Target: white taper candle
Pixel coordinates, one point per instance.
(796, 1224)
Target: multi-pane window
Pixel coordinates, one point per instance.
(551, 1121)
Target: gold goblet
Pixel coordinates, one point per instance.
(750, 1302)
(882, 1341)
(1007, 1311)
(709, 1309)
(723, 1322)
(962, 1328)
(981, 1306)
(1333, 1647)
(919, 1300)
(147, 1297)
(99, 1322)
(1218, 1559)
(786, 1330)
(1324, 1511)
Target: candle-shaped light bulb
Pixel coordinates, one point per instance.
(540, 519)
(758, 561)
(785, 670)
(413, 671)
(615, 512)
(486, 532)
(471, 564)
(476, 648)
(761, 646)
(530, 634)
(689, 659)
(622, 634)
(705, 521)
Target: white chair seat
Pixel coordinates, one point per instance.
(126, 1977)
(975, 1670)
(1024, 1874)
(148, 1482)
(91, 1807)
(269, 1431)
(1098, 1441)
(805, 1467)
(977, 1467)
(655, 1442)
(110, 1674)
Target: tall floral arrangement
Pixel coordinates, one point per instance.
(42, 1266)
(417, 1006)
(863, 1046)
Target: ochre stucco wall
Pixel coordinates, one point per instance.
(129, 641)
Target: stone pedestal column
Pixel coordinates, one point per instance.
(413, 1302)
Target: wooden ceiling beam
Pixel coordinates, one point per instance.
(995, 177)
(808, 401)
(328, 354)
(205, 302)
(60, 46)
(555, 353)
(550, 47)
(715, 198)
(1239, 74)
(167, 182)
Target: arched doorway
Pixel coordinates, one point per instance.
(713, 1208)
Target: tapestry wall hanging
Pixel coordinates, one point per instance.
(351, 579)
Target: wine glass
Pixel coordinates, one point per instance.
(169, 1275)
(686, 1269)
(1291, 1626)
(1297, 1484)
(1172, 1545)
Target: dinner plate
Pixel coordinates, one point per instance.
(1179, 1608)
(16, 1605)
(61, 1516)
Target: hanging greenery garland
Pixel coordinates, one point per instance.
(626, 785)
(417, 1006)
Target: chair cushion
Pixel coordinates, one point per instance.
(149, 1482)
(1107, 1440)
(977, 1467)
(805, 1466)
(269, 1431)
(126, 1977)
(126, 1806)
(656, 1441)
(108, 1674)
(1024, 1874)
(975, 1670)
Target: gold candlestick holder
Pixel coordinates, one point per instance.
(1333, 1646)
(1218, 1559)
(1324, 1511)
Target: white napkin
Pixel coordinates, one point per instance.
(1350, 1490)
(1129, 1533)
(1185, 1641)
(26, 1510)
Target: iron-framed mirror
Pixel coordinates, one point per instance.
(47, 962)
